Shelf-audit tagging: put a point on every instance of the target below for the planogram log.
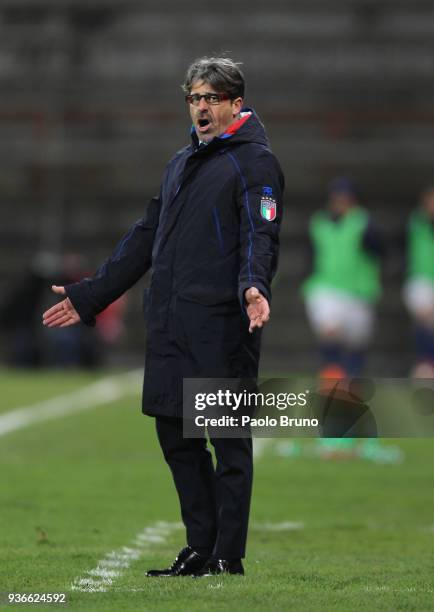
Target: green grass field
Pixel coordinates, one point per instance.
(325, 535)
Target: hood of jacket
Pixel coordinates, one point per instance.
(247, 129)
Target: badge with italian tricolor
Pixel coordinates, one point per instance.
(268, 204)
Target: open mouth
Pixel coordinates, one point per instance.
(203, 124)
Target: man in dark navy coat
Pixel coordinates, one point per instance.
(211, 240)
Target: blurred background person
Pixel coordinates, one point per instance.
(25, 345)
(345, 249)
(419, 287)
(19, 311)
(82, 346)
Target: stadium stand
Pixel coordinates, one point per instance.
(91, 110)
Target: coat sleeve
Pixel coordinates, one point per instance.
(130, 260)
(260, 205)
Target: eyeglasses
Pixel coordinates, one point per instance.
(210, 98)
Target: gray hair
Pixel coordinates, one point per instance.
(223, 74)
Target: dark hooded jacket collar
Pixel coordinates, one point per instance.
(251, 131)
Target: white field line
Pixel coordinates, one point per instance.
(284, 526)
(114, 564)
(101, 392)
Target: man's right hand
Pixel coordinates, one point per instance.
(62, 314)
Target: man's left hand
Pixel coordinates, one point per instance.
(258, 309)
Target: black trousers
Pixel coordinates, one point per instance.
(215, 501)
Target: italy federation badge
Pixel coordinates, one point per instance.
(268, 204)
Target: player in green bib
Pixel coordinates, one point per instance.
(419, 287)
(340, 296)
(344, 285)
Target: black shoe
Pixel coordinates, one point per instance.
(214, 567)
(186, 563)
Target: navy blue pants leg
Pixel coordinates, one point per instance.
(233, 478)
(214, 503)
